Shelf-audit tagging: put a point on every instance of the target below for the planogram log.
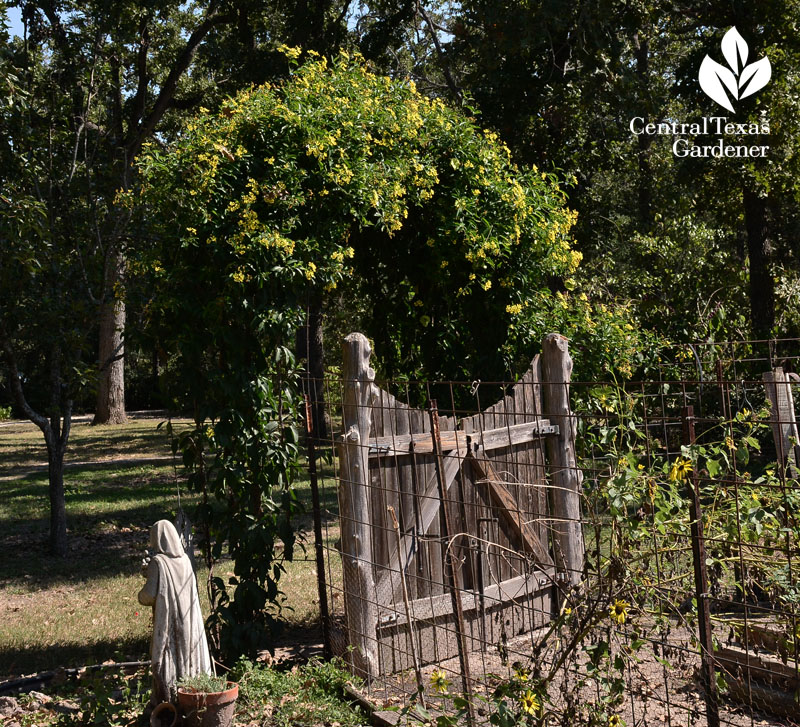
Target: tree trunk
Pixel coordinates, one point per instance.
(56, 435)
(110, 407)
(310, 346)
(645, 191)
(759, 249)
(58, 509)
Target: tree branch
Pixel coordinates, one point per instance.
(140, 98)
(170, 85)
(16, 384)
(451, 84)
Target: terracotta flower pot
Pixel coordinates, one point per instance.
(204, 709)
(164, 715)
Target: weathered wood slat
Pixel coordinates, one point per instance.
(354, 498)
(505, 436)
(514, 434)
(388, 583)
(764, 668)
(510, 511)
(768, 699)
(778, 388)
(419, 443)
(497, 594)
(566, 477)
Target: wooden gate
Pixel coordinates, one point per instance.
(512, 545)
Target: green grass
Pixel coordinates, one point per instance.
(22, 444)
(83, 609)
(312, 694)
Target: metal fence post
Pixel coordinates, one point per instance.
(707, 673)
(319, 545)
(451, 568)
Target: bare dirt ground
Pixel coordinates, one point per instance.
(655, 694)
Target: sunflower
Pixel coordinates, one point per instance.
(520, 672)
(616, 721)
(618, 611)
(439, 680)
(529, 702)
(680, 469)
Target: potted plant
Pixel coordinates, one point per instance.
(207, 701)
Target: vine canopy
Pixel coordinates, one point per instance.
(342, 180)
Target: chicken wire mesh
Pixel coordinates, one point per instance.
(683, 606)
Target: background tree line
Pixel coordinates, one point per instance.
(692, 248)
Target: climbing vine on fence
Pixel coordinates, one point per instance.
(337, 179)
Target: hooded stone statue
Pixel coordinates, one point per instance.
(179, 648)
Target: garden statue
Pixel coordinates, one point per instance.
(179, 648)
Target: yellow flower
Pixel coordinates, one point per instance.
(680, 469)
(520, 672)
(514, 309)
(618, 611)
(730, 443)
(291, 53)
(310, 271)
(616, 721)
(439, 680)
(529, 702)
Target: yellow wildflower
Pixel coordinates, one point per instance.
(680, 469)
(439, 680)
(529, 702)
(618, 611)
(521, 672)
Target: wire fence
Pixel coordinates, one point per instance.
(558, 552)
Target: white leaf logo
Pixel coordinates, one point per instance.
(734, 48)
(712, 78)
(754, 77)
(741, 80)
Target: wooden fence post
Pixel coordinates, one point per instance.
(778, 388)
(359, 583)
(568, 545)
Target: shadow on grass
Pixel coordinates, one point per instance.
(36, 659)
(109, 511)
(108, 516)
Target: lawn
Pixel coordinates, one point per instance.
(83, 609)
